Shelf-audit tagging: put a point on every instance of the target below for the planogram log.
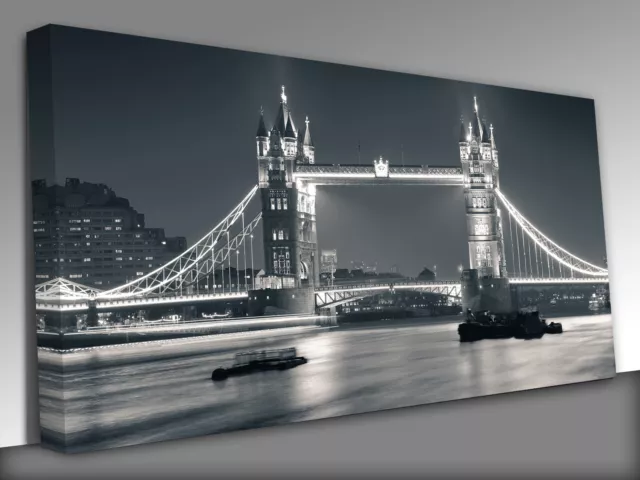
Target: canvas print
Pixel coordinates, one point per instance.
(226, 240)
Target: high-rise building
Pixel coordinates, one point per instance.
(85, 233)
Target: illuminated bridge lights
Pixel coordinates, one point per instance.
(335, 296)
(559, 281)
(341, 174)
(170, 283)
(552, 249)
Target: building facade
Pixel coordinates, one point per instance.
(328, 261)
(85, 233)
(288, 206)
(480, 169)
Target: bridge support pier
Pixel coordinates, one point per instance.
(327, 311)
(486, 293)
(286, 300)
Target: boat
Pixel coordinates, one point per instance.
(522, 325)
(596, 302)
(249, 362)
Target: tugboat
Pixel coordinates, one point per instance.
(249, 362)
(522, 325)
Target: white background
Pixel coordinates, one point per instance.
(573, 48)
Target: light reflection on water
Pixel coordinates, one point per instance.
(117, 397)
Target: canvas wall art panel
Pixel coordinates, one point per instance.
(226, 240)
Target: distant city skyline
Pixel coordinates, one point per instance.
(171, 127)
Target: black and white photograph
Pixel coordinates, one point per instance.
(226, 240)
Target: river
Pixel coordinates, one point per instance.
(125, 395)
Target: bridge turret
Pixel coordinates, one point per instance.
(494, 149)
(289, 139)
(285, 126)
(306, 149)
(275, 144)
(485, 148)
(464, 141)
(262, 137)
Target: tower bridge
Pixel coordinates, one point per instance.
(288, 176)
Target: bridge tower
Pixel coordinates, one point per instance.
(480, 169)
(288, 207)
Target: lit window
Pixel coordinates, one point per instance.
(280, 234)
(275, 234)
(86, 220)
(148, 258)
(117, 220)
(475, 202)
(138, 235)
(75, 229)
(118, 259)
(118, 228)
(279, 203)
(86, 259)
(118, 251)
(139, 274)
(107, 228)
(284, 203)
(273, 203)
(38, 230)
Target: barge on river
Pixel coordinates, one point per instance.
(258, 361)
(523, 325)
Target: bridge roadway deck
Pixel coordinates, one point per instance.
(400, 284)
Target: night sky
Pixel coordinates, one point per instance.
(171, 127)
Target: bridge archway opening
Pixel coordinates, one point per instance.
(403, 229)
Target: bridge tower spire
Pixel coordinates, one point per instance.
(484, 228)
(306, 149)
(288, 206)
(262, 136)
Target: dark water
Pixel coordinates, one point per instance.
(128, 395)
